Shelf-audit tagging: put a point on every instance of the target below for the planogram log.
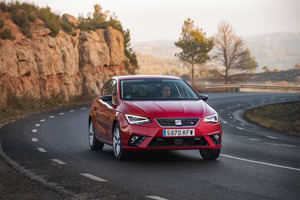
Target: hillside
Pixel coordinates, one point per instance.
(44, 62)
(275, 50)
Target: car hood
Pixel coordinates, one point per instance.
(167, 109)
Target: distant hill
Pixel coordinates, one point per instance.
(275, 50)
(281, 77)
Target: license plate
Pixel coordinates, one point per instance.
(178, 132)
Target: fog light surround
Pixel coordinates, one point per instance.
(216, 138)
(136, 140)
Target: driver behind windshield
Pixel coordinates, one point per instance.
(165, 91)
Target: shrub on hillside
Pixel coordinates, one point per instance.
(67, 27)
(1, 23)
(24, 13)
(3, 6)
(51, 20)
(6, 34)
(20, 18)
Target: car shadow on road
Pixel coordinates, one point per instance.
(156, 156)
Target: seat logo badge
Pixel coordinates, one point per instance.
(178, 122)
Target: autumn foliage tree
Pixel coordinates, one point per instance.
(231, 52)
(194, 45)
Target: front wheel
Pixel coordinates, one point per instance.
(117, 143)
(210, 154)
(93, 142)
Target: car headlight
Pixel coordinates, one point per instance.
(133, 119)
(211, 118)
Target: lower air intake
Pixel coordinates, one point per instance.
(178, 142)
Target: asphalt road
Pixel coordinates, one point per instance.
(256, 163)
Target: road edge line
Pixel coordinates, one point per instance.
(260, 162)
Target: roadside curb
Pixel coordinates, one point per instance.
(239, 115)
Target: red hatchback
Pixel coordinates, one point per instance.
(153, 113)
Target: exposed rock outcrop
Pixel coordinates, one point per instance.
(70, 19)
(67, 66)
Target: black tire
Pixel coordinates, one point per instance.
(93, 142)
(118, 151)
(210, 154)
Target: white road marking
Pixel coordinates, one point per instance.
(83, 108)
(95, 178)
(61, 113)
(221, 110)
(238, 115)
(51, 116)
(254, 139)
(57, 161)
(156, 198)
(225, 122)
(261, 163)
(34, 139)
(285, 145)
(72, 110)
(271, 137)
(242, 124)
(228, 107)
(40, 149)
(37, 125)
(34, 130)
(42, 120)
(240, 128)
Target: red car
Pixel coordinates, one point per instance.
(153, 113)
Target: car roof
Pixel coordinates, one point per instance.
(133, 77)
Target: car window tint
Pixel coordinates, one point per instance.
(150, 89)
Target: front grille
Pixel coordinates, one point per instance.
(177, 121)
(178, 142)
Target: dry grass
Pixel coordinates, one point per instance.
(283, 117)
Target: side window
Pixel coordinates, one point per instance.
(114, 92)
(106, 89)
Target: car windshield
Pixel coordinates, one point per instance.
(156, 89)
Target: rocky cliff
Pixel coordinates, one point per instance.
(44, 67)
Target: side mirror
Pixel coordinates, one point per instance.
(204, 97)
(106, 98)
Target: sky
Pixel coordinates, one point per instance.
(150, 20)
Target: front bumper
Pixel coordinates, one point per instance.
(153, 139)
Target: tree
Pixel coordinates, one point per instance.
(247, 62)
(194, 45)
(99, 15)
(231, 52)
(266, 69)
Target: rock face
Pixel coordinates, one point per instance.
(70, 19)
(66, 66)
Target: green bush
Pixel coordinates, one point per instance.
(1, 23)
(67, 27)
(20, 18)
(31, 18)
(51, 20)
(23, 13)
(3, 6)
(6, 34)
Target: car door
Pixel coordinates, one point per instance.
(106, 111)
